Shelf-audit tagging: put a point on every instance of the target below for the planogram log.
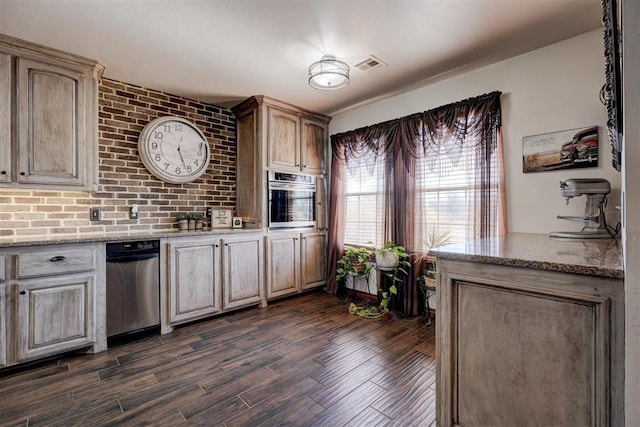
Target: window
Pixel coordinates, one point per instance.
(447, 195)
(364, 201)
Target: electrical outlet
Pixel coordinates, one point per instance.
(95, 214)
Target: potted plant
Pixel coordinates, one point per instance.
(355, 262)
(183, 221)
(388, 256)
(432, 240)
(198, 218)
(192, 221)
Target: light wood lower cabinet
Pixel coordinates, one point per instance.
(194, 283)
(53, 316)
(314, 259)
(3, 329)
(210, 274)
(283, 264)
(243, 270)
(295, 262)
(520, 346)
(52, 300)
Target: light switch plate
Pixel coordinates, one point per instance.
(95, 214)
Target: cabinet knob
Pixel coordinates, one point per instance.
(216, 245)
(23, 292)
(3, 172)
(23, 173)
(58, 258)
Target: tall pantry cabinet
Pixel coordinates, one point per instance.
(277, 136)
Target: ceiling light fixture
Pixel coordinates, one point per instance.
(328, 74)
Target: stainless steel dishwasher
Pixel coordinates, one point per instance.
(133, 287)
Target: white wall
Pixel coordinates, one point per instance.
(546, 90)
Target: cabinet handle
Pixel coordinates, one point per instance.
(3, 172)
(226, 244)
(23, 292)
(216, 245)
(58, 258)
(23, 173)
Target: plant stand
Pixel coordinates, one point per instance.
(428, 291)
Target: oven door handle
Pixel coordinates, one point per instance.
(291, 187)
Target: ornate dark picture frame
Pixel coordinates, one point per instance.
(611, 92)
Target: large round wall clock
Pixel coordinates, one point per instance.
(174, 149)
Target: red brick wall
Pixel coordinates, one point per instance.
(124, 110)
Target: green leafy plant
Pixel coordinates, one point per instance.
(401, 266)
(355, 262)
(435, 239)
(183, 216)
(395, 273)
(196, 215)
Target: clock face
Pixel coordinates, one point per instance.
(174, 149)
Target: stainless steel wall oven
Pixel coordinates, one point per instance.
(292, 200)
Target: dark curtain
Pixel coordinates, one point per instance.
(471, 125)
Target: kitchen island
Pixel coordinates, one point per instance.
(530, 331)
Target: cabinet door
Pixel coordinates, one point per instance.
(194, 280)
(322, 204)
(3, 334)
(5, 118)
(243, 270)
(284, 140)
(312, 147)
(283, 265)
(53, 316)
(52, 124)
(314, 260)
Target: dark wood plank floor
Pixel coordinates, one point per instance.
(302, 361)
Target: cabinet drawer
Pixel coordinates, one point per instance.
(61, 261)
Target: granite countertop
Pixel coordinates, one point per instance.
(592, 257)
(52, 239)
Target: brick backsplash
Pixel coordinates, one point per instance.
(123, 111)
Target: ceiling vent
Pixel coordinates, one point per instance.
(370, 64)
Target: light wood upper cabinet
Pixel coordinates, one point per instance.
(53, 97)
(313, 145)
(283, 264)
(314, 259)
(52, 135)
(296, 143)
(284, 140)
(194, 279)
(5, 118)
(243, 269)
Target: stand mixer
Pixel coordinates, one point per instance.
(595, 224)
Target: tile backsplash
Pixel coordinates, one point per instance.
(124, 109)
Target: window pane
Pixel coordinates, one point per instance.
(363, 205)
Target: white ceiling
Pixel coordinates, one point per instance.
(223, 51)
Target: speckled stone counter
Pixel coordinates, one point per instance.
(52, 239)
(593, 257)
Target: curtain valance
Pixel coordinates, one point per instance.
(464, 125)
